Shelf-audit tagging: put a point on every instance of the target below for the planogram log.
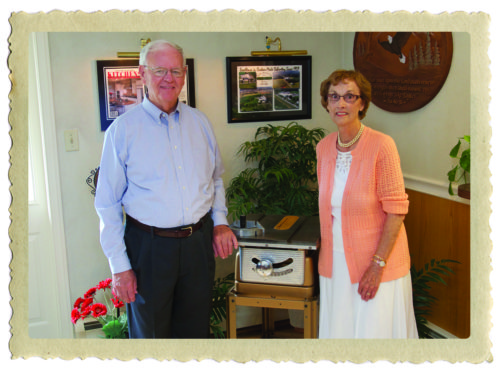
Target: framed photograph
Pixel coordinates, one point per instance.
(187, 94)
(268, 88)
(120, 88)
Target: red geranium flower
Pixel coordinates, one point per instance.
(86, 303)
(117, 303)
(90, 292)
(98, 309)
(104, 284)
(86, 312)
(75, 315)
(78, 302)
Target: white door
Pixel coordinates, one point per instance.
(49, 304)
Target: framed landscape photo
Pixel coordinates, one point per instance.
(121, 89)
(268, 88)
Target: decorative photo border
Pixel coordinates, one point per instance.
(268, 88)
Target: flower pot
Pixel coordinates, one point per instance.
(464, 191)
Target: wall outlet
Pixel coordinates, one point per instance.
(71, 140)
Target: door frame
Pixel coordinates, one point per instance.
(43, 82)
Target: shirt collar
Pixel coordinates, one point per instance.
(155, 112)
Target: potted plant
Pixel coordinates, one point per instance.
(101, 303)
(222, 285)
(460, 173)
(283, 179)
(422, 299)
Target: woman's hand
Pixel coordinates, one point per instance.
(370, 281)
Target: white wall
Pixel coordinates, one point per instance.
(424, 137)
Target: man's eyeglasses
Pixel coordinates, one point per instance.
(349, 98)
(162, 72)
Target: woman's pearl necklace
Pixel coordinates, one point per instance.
(353, 141)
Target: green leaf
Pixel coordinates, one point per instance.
(454, 150)
(465, 160)
(114, 330)
(422, 299)
(446, 268)
(461, 170)
(437, 278)
(441, 271)
(452, 174)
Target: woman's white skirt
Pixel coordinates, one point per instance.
(344, 315)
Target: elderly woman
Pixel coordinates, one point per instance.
(364, 262)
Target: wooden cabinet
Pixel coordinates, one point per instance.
(439, 228)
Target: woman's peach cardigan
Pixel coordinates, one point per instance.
(374, 188)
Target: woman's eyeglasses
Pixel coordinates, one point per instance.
(348, 98)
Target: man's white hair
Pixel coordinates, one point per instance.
(157, 44)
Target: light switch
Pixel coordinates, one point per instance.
(71, 140)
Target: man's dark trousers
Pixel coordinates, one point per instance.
(174, 283)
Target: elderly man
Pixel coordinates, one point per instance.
(161, 166)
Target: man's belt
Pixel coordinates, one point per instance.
(179, 232)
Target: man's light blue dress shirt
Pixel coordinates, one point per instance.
(165, 170)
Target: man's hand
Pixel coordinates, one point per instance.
(125, 285)
(224, 241)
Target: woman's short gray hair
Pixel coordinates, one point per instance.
(157, 44)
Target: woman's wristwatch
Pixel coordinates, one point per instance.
(379, 261)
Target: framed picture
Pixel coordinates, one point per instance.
(268, 88)
(120, 88)
(187, 94)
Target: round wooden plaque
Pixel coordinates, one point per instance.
(406, 69)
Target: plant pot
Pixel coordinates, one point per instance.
(464, 191)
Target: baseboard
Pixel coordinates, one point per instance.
(439, 333)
